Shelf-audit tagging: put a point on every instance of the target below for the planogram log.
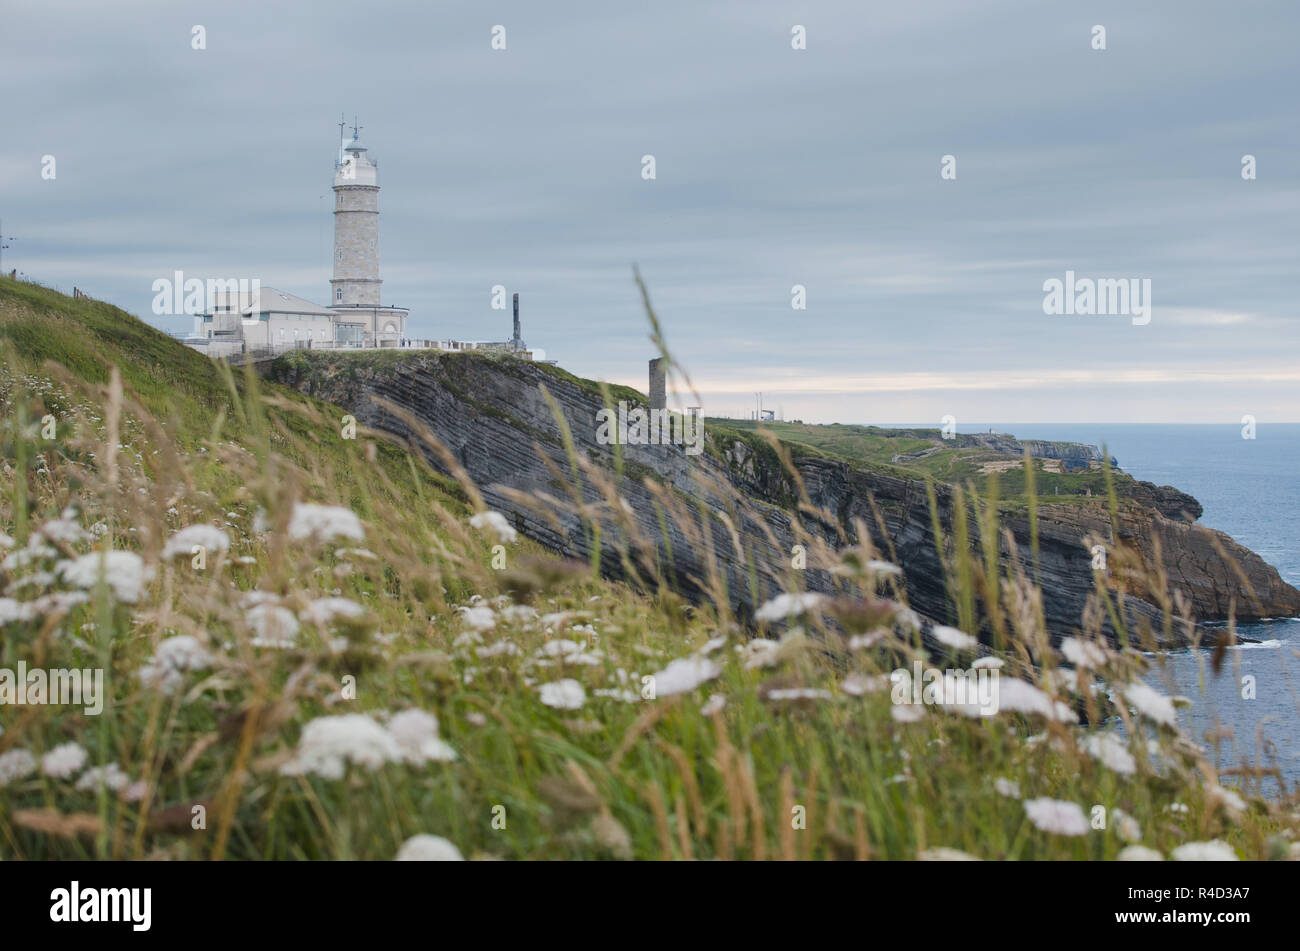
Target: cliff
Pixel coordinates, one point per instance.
(736, 506)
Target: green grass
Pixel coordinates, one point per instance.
(181, 443)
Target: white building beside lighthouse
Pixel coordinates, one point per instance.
(245, 318)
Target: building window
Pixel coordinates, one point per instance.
(338, 293)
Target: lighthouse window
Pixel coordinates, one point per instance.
(338, 293)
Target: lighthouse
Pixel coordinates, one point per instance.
(355, 286)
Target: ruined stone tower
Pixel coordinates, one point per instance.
(356, 229)
(658, 384)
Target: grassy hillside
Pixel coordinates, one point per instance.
(348, 680)
(924, 451)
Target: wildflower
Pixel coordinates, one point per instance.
(124, 572)
(110, 777)
(1229, 799)
(858, 685)
(497, 649)
(684, 674)
(798, 693)
(945, 854)
(1111, 751)
(16, 764)
(63, 761)
(497, 524)
(428, 848)
(906, 713)
(1215, 851)
(416, 733)
(272, 626)
(173, 656)
(1056, 816)
(714, 704)
(1007, 787)
(324, 522)
(63, 530)
(992, 663)
(328, 743)
(564, 694)
(788, 605)
(859, 642)
(1083, 653)
(11, 611)
(1138, 853)
(1019, 697)
(1126, 827)
(1151, 703)
(207, 537)
(952, 637)
(760, 652)
(478, 619)
(322, 611)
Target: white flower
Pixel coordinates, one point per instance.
(858, 685)
(1007, 787)
(993, 663)
(322, 611)
(110, 777)
(208, 537)
(878, 567)
(1138, 853)
(1083, 653)
(173, 656)
(1020, 697)
(1111, 751)
(497, 524)
(15, 764)
(1215, 851)
(11, 611)
(1227, 798)
(272, 626)
(324, 522)
(684, 674)
(428, 848)
(760, 652)
(715, 704)
(906, 713)
(416, 733)
(63, 761)
(564, 694)
(1056, 816)
(1126, 827)
(497, 649)
(952, 637)
(944, 854)
(799, 693)
(787, 605)
(328, 743)
(63, 530)
(478, 619)
(1151, 704)
(124, 572)
(858, 642)
(6, 541)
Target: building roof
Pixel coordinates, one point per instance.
(270, 299)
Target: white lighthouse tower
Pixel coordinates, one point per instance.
(354, 289)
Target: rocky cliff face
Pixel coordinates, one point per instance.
(733, 509)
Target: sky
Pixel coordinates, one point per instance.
(774, 167)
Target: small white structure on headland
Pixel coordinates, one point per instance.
(261, 319)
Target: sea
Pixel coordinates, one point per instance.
(1250, 489)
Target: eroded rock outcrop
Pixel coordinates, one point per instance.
(730, 509)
